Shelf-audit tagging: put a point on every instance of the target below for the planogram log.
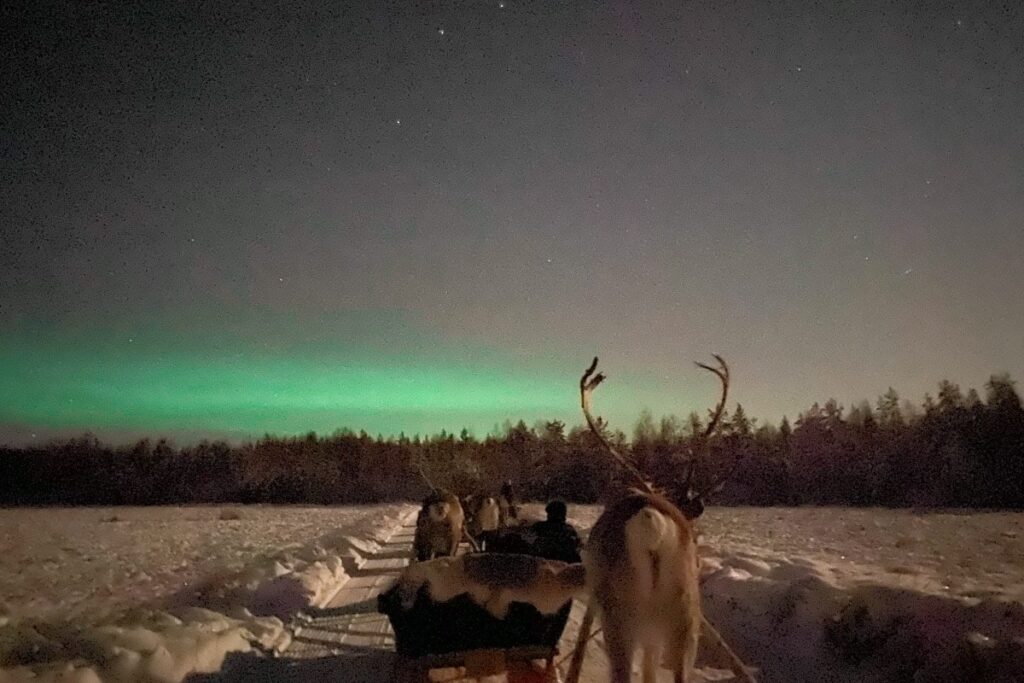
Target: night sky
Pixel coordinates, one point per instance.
(241, 219)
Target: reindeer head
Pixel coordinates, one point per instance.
(684, 495)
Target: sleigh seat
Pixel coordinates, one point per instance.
(485, 612)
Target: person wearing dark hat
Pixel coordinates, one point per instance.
(556, 539)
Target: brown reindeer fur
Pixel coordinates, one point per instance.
(439, 526)
(642, 571)
(484, 515)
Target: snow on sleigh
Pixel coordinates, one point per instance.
(489, 612)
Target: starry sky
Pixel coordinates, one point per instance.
(225, 219)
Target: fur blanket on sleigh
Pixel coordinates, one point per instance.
(494, 581)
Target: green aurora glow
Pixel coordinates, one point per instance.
(188, 382)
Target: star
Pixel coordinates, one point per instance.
(501, 5)
(398, 122)
(908, 271)
(440, 31)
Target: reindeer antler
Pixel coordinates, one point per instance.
(588, 383)
(722, 372)
(591, 379)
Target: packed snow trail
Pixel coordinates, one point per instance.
(343, 639)
(348, 641)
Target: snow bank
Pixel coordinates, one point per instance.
(869, 595)
(250, 607)
(793, 620)
(297, 577)
(69, 564)
(156, 646)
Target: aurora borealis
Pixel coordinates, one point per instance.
(394, 217)
(163, 382)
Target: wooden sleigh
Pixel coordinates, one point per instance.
(486, 613)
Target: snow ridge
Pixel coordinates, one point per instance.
(795, 621)
(231, 611)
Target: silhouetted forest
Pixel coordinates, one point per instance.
(953, 450)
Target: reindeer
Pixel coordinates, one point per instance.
(439, 526)
(642, 566)
(440, 523)
(483, 517)
(642, 571)
(509, 509)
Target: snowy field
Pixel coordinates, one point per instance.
(156, 594)
(865, 595)
(83, 562)
(824, 594)
(958, 554)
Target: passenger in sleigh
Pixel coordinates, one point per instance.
(552, 539)
(555, 538)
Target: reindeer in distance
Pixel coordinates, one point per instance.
(440, 522)
(440, 526)
(445, 520)
(487, 514)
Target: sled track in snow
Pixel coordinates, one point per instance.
(347, 641)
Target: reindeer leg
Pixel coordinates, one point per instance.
(684, 642)
(620, 644)
(652, 660)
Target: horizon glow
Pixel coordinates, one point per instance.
(164, 383)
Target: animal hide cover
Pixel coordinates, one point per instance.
(487, 600)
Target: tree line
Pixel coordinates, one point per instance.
(953, 450)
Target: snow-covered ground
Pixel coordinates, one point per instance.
(134, 594)
(58, 562)
(823, 594)
(961, 554)
(838, 594)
